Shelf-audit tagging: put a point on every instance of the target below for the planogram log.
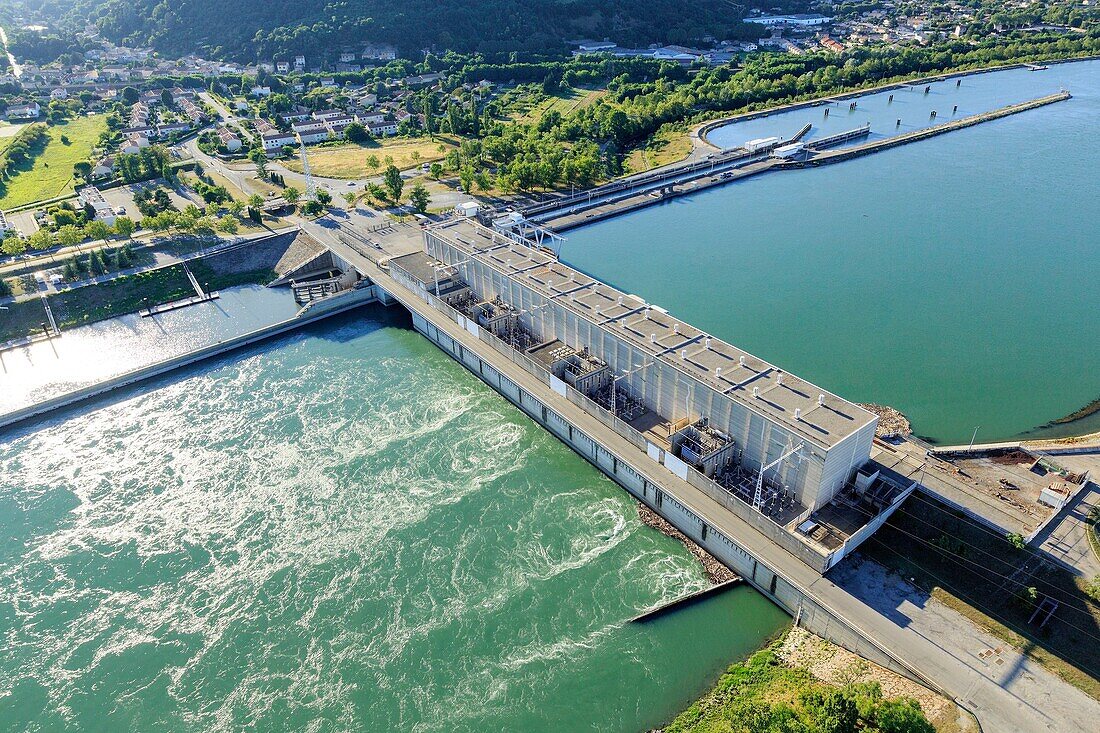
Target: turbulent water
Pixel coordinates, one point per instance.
(342, 530)
(953, 278)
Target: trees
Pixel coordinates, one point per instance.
(324, 197)
(83, 169)
(419, 198)
(13, 245)
(42, 239)
(125, 226)
(97, 229)
(228, 225)
(291, 195)
(393, 182)
(350, 198)
(69, 235)
(436, 171)
(356, 133)
(130, 95)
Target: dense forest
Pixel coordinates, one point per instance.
(317, 28)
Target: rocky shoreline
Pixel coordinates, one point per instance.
(715, 571)
(891, 423)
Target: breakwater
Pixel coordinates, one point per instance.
(837, 156)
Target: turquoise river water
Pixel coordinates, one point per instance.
(954, 278)
(338, 530)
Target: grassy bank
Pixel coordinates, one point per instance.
(670, 144)
(986, 578)
(49, 172)
(765, 693)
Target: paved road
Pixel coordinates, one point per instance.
(1066, 537)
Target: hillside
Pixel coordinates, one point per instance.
(249, 30)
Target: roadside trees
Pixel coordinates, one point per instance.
(228, 225)
(420, 198)
(393, 182)
(291, 195)
(97, 229)
(13, 246)
(125, 226)
(40, 240)
(69, 235)
(324, 197)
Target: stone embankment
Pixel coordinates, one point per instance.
(716, 572)
(891, 422)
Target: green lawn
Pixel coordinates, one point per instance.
(50, 173)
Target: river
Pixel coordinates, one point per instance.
(340, 529)
(953, 278)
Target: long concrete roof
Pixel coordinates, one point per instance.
(822, 417)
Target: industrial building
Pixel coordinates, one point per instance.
(781, 452)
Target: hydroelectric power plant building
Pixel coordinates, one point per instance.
(788, 457)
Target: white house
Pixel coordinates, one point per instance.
(231, 142)
(105, 168)
(381, 129)
(133, 143)
(282, 67)
(6, 226)
(299, 62)
(329, 114)
(258, 91)
(311, 131)
(805, 20)
(274, 141)
(59, 93)
(24, 111)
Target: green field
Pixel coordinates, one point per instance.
(50, 173)
(350, 161)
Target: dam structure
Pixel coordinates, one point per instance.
(779, 451)
(767, 472)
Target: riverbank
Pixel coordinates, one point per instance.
(702, 130)
(800, 682)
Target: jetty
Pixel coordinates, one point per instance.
(685, 601)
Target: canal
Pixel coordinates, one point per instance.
(953, 278)
(337, 530)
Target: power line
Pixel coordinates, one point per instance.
(1057, 592)
(1027, 635)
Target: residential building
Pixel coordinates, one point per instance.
(382, 129)
(29, 111)
(105, 168)
(805, 20)
(229, 139)
(274, 141)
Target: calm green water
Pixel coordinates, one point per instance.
(955, 279)
(342, 530)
